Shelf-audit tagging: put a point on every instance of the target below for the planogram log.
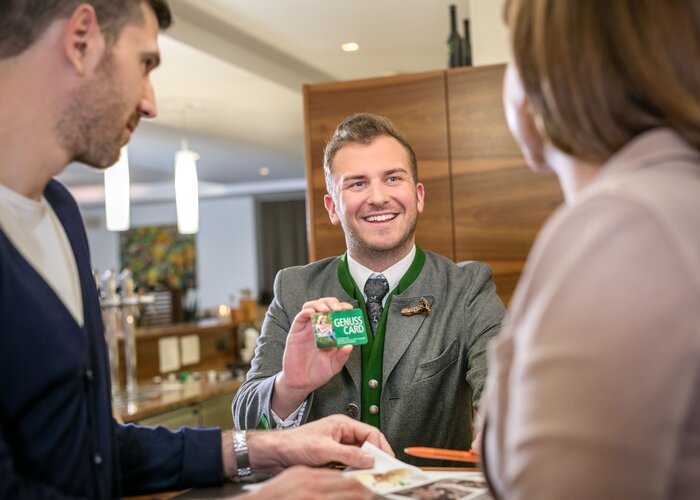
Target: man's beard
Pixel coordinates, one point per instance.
(367, 252)
(92, 125)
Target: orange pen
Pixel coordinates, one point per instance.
(442, 454)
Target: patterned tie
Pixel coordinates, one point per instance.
(375, 289)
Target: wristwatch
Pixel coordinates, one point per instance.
(240, 451)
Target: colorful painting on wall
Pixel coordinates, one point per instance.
(159, 257)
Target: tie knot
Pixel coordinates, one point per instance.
(376, 288)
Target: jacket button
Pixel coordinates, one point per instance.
(97, 459)
(351, 410)
(89, 375)
(373, 384)
(373, 410)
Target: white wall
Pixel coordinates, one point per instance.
(226, 243)
(489, 36)
(227, 258)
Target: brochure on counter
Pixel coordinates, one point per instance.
(391, 478)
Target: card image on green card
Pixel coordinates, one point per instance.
(322, 324)
(339, 328)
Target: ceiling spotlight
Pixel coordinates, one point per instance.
(264, 171)
(350, 47)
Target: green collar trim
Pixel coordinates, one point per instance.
(354, 291)
(373, 350)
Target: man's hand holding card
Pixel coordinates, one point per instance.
(305, 367)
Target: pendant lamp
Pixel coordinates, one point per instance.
(117, 193)
(186, 190)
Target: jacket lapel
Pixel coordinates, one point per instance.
(400, 331)
(354, 363)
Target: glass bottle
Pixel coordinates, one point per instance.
(454, 41)
(467, 44)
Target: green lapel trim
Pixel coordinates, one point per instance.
(263, 423)
(373, 350)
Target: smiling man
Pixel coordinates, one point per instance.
(420, 376)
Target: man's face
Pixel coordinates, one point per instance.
(103, 113)
(375, 199)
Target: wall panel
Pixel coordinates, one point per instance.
(499, 203)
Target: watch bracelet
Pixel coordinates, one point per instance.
(240, 451)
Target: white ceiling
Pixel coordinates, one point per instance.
(232, 74)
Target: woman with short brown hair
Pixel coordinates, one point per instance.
(594, 384)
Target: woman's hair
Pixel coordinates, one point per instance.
(598, 73)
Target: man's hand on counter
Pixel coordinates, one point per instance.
(333, 439)
(305, 483)
(336, 438)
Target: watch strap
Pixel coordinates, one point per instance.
(240, 451)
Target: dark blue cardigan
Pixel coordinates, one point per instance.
(57, 435)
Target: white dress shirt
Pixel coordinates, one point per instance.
(360, 274)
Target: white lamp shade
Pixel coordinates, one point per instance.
(117, 193)
(186, 192)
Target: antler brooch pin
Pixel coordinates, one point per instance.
(422, 307)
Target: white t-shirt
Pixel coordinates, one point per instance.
(35, 231)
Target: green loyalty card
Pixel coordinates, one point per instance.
(339, 328)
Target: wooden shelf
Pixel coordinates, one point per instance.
(218, 348)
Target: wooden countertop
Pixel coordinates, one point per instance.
(153, 399)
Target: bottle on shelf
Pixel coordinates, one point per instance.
(467, 44)
(454, 41)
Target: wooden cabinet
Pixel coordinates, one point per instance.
(482, 202)
(499, 203)
(215, 412)
(217, 347)
(194, 403)
(173, 420)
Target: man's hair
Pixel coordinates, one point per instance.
(362, 128)
(22, 22)
(598, 73)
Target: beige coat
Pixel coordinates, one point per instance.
(594, 385)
